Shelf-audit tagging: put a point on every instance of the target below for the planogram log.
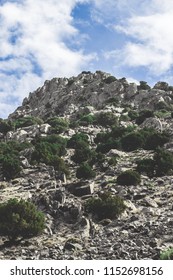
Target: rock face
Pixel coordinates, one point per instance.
(62, 96)
(144, 229)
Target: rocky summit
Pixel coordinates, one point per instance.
(94, 154)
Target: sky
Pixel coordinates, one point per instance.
(40, 40)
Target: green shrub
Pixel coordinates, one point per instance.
(10, 166)
(146, 166)
(161, 85)
(101, 137)
(106, 147)
(85, 172)
(128, 178)
(120, 131)
(109, 80)
(143, 115)
(132, 141)
(143, 85)
(162, 105)
(76, 140)
(54, 144)
(82, 155)
(48, 150)
(155, 140)
(167, 254)
(58, 125)
(163, 162)
(5, 126)
(26, 121)
(162, 114)
(9, 157)
(160, 165)
(113, 161)
(97, 158)
(133, 114)
(20, 219)
(106, 119)
(105, 206)
(87, 119)
(124, 118)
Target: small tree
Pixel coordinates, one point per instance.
(20, 219)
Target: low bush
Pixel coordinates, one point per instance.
(58, 125)
(143, 86)
(160, 165)
(20, 219)
(113, 160)
(143, 115)
(109, 80)
(9, 158)
(155, 140)
(146, 166)
(132, 141)
(26, 121)
(10, 166)
(81, 155)
(128, 178)
(87, 119)
(5, 126)
(163, 162)
(105, 206)
(106, 147)
(133, 114)
(78, 140)
(167, 254)
(106, 119)
(85, 172)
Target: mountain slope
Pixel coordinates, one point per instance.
(70, 141)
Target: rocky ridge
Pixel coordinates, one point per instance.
(145, 227)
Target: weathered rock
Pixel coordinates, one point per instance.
(81, 189)
(152, 123)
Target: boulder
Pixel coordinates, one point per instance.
(81, 188)
(152, 123)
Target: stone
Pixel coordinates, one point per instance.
(80, 189)
(44, 128)
(150, 202)
(152, 123)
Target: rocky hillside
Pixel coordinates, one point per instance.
(94, 154)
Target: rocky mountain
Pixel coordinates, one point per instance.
(92, 139)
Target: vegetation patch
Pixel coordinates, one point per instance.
(128, 178)
(167, 254)
(105, 206)
(20, 219)
(85, 171)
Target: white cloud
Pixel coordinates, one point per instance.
(33, 35)
(150, 41)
